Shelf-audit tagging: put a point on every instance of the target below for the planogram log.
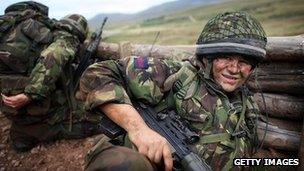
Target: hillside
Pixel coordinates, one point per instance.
(117, 19)
(278, 17)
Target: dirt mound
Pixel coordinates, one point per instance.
(58, 156)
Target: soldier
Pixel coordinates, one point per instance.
(207, 91)
(36, 55)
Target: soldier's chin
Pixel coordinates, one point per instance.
(228, 88)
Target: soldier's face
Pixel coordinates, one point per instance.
(231, 71)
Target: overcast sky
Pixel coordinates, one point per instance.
(89, 8)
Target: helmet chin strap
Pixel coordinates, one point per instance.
(208, 69)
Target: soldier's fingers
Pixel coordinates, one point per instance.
(18, 104)
(143, 150)
(151, 153)
(9, 104)
(7, 101)
(168, 161)
(155, 153)
(158, 155)
(14, 101)
(4, 98)
(17, 101)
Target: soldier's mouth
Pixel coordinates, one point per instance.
(230, 79)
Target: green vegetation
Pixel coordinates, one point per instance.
(278, 17)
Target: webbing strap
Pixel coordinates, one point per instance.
(165, 104)
(208, 69)
(225, 136)
(214, 138)
(242, 115)
(232, 156)
(236, 140)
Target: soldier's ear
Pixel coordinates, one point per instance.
(205, 61)
(253, 70)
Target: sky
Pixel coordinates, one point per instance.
(89, 8)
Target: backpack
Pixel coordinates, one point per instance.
(25, 30)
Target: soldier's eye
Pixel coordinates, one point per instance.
(244, 62)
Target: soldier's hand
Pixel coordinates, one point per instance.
(152, 145)
(147, 141)
(16, 101)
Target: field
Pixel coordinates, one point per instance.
(278, 17)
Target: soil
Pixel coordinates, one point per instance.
(57, 156)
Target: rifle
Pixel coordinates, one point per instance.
(73, 82)
(90, 51)
(173, 129)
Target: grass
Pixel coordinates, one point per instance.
(278, 17)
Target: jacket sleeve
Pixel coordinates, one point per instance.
(51, 64)
(138, 78)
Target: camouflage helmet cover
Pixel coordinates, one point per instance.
(233, 32)
(76, 24)
(21, 6)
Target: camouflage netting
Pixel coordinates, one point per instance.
(244, 31)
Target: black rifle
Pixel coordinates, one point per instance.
(72, 83)
(89, 53)
(170, 127)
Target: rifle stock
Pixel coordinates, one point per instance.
(110, 128)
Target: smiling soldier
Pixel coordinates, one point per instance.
(207, 91)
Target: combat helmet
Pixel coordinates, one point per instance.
(233, 32)
(75, 24)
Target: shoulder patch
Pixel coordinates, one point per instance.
(141, 63)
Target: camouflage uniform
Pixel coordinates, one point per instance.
(199, 101)
(224, 121)
(42, 73)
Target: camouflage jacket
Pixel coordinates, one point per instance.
(44, 83)
(213, 114)
(52, 66)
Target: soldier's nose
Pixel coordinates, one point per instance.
(233, 66)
